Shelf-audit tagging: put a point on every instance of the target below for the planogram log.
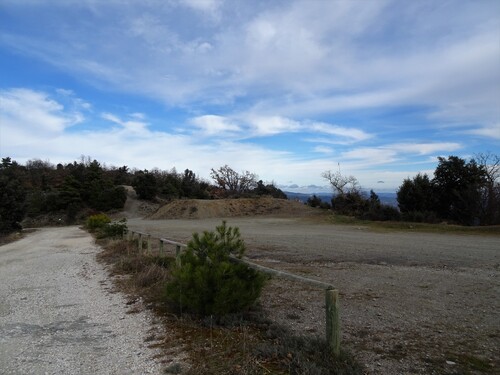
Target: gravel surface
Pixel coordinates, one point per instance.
(59, 313)
(411, 303)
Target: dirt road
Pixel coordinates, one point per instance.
(59, 314)
(412, 303)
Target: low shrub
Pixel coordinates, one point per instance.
(96, 222)
(382, 212)
(115, 229)
(420, 217)
(101, 225)
(207, 282)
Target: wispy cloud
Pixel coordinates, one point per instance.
(300, 58)
(215, 125)
(324, 82)
(38, 113)
(269, 125)
(131, 126)
(353, 134)
(491, 131)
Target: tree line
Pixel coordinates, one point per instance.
(464, 192)
(75, 190)
(460, 191)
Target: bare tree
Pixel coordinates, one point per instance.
(342, 184)
(231, 181)
(490, 191)
(490, 164)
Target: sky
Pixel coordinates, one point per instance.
(286, 89)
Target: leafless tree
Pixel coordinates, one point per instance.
(490, 205)
(491, 165)
(231, 181)
(342, 184)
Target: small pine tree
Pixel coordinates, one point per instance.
(207, 282)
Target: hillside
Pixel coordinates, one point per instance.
(201, 209)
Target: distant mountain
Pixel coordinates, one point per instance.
(385, 198)
(388, 198)
(326, 197)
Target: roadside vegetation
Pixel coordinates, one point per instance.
(42, 193)
(461, 192)
(215, 315)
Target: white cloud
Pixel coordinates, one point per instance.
(425, 148)
(29, 115)
(202, 5)
(489, 131)
(130, 143)
(269, 125)
(370, 156)
(251, 125)
(138, 128)
(362, 157)
(343, 132)
(323, 150)
(260, 69)
(215, 125)
(298, 58)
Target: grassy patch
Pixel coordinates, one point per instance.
(472, 363)
(249, 344)
(235, 344)
(401, 226)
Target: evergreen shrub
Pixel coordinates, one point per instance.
(115, 229)
(207, 282)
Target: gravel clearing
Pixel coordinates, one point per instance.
(411, 303)
(59, 313)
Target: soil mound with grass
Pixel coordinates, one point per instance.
(204, 209)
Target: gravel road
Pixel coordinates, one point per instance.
(60, 315)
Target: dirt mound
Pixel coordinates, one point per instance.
(134, 207)
(203, 209)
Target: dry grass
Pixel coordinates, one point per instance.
(402, 226)
(236, 344)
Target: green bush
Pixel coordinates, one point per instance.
(208, 282)
(115, 229)
(97, 222)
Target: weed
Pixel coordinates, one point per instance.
(242, 343)
(151, 274)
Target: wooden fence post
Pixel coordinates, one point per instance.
(332, 321)
(128, 238)
(149, 244)
(139, 244)
(161, 247)
(178, 255)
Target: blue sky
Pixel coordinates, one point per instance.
(284, 89)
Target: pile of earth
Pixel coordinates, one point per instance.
(135, 207)
(203, 209)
